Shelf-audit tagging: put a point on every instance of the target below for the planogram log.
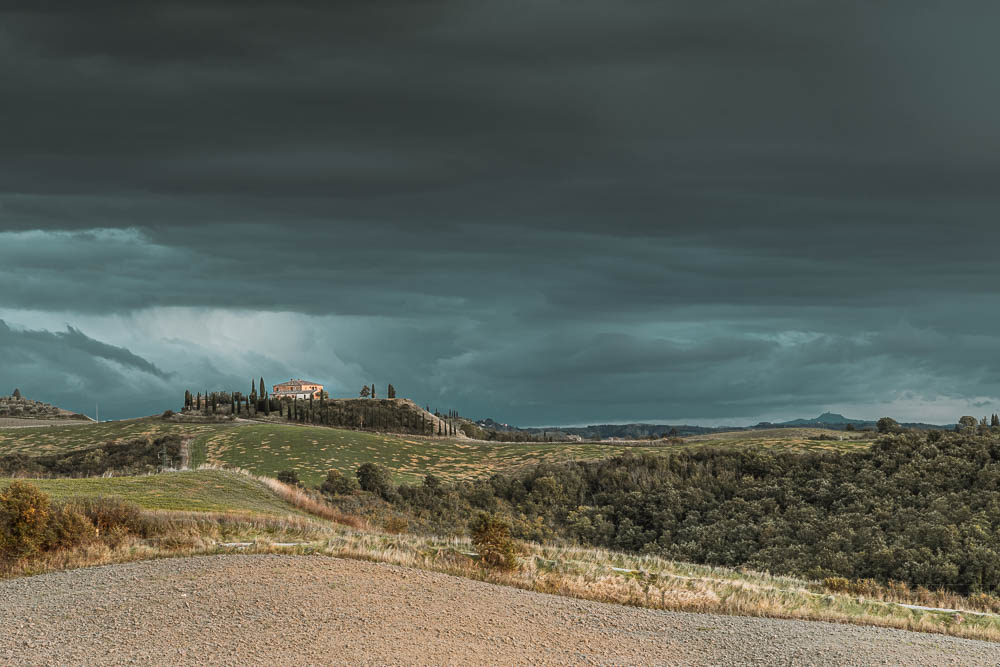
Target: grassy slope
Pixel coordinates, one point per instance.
(788, 439)
(49, 439)
(196, 491)
(313, 450)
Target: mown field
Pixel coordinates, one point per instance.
(785, 439)
(58, 438)
(193, 491)
(311, 451)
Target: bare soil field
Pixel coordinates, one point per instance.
(273, 609)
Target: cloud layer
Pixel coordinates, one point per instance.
(536, 212)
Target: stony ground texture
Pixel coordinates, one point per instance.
(318, 610)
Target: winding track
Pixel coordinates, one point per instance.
(318, 610)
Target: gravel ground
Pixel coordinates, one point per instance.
(318, 610)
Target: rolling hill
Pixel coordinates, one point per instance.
(311, 451)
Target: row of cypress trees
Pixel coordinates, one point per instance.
(376, 415)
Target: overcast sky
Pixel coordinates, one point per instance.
(542, 212)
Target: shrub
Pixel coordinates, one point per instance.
(289, 477)
(338, 484)
(396, 525)
(375, 478)
(167, 414)
(24, 516)
(111, 515)
(491, 537)
(68, 527)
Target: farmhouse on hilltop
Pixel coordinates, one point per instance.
(297, 389)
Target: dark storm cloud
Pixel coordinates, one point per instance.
(731, 207)
(40, 345)
(72, 370)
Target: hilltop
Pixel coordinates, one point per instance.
(16, 408)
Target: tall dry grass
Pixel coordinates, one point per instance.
(299, 498)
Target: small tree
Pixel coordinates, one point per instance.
(889, 425)
(392, 392)
(995, 420)
(967, 422)
(365, 392)
(24, 516)
(373, 390)
(17, 393)
(491, 538)
(338, 484)
(374, 478)
(289, 477)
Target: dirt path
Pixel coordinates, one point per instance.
(318, 610)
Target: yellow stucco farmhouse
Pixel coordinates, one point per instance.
(297, 389)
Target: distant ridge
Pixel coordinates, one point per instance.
(828, 420)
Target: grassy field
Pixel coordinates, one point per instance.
(267, 449)
(313, 450)
(785, 439)
(193, 491)
(57, 438)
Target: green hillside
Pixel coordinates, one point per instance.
(313, 450)
(52, 439)
(195, 491)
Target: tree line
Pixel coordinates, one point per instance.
(916, 507)
(374, 414)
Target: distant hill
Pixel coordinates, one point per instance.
(641, 431)
(604, 431)
(837, 421)
(824, 419)
(18, 407)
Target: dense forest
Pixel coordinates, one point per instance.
(923, 508)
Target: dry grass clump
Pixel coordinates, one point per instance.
(300, 498)
(900, 592)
